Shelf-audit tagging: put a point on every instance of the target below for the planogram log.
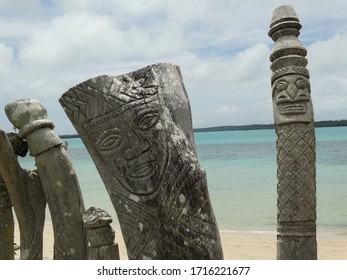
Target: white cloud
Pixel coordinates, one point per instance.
(71, 40)
(20, 7)
(6, 56)
(227, 110)
(328, 69)
(221, 46)
(329, 55)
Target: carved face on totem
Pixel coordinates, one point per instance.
(292, 100)
(134, 143)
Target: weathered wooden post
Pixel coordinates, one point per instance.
(295, 141)
(6, 215)
(137, 128)
(57, 176)
(100, 235)
(27, 198)
(6, 224)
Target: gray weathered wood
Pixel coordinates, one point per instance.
(295, 141)
(57, 176)
(100, 235)
(27, 198)
(138, 129)
(6, 224)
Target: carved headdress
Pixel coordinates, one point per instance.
(100, 100)
(288, 54)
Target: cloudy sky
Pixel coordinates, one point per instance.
(221, 46)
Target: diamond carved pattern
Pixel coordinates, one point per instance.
(296, 174)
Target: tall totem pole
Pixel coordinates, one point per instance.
(295, 139)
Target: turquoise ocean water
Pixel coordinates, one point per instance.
(241, 174)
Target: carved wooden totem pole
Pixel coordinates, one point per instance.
(57, 176)
(295, 141)
(137, 128)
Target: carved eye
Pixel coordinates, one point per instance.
(109, 141)
(300, 84)
(148, 118)
(282, 85)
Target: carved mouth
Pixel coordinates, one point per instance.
(143, 169)
(293, 109)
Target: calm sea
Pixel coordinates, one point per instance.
(241, 174)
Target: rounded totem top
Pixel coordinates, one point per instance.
(288, 54)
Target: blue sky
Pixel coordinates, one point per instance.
(221, 46)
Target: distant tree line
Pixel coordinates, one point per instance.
(266, 126)
(235, 127)
(69, 136)
(245, 127)
(331, 123)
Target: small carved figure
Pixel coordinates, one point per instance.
(137, 128)
(100, 235)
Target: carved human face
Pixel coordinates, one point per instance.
(135, 148)
(292, 100)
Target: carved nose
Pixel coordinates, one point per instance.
(136, 151)
(137, 147)
(292, 92)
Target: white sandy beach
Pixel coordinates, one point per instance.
(236, 245)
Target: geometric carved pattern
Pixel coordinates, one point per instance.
(290, 70)
(295, 141)
(296, 173)
(137, 128)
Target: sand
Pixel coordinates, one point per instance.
(236, 245)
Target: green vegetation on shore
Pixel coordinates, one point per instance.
(266, 126)
(245, 127)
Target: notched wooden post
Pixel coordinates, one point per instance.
(100, 235)
(6, 224)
